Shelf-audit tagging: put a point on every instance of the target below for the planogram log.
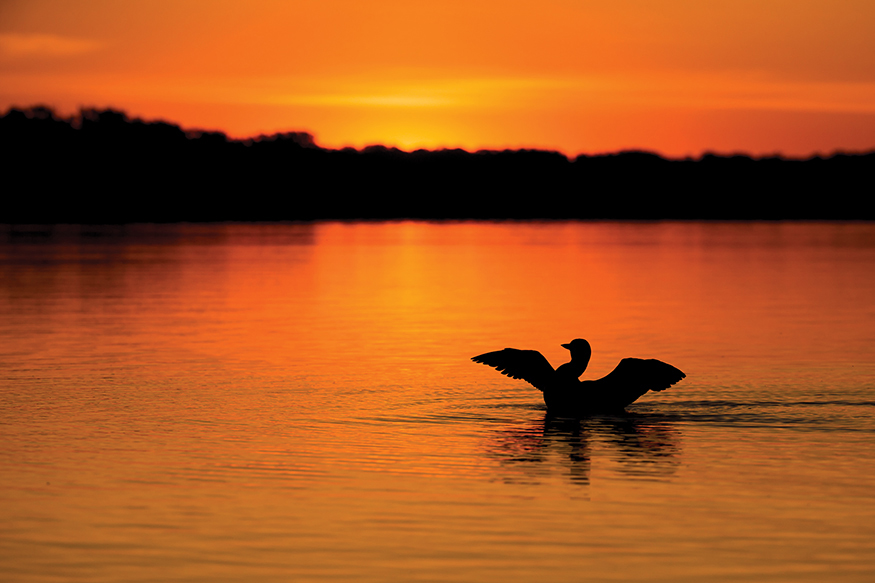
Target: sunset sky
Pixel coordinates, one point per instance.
(679, 77)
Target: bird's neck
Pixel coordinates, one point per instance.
(574, 368)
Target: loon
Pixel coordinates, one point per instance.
(566, 396)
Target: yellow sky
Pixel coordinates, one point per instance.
(676, 76)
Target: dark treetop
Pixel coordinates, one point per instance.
(102, 167)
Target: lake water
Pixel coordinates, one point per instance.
(296, 403)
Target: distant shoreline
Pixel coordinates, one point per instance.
(101, 167)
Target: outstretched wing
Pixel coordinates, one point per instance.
(529, 365)
(633, 377)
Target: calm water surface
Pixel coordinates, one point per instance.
(296, 403)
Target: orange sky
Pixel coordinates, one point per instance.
(675, 76)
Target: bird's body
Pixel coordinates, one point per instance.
(565, 395)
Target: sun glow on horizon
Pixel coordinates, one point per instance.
(680, 79)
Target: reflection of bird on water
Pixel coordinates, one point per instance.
(567, 396)
(645, 445)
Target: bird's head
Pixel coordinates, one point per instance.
(579, 348)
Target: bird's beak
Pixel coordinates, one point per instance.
(566, 346)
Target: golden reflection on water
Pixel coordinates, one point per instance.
(295, 402)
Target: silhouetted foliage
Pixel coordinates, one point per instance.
(103, 167)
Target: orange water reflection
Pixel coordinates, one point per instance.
(295, 402)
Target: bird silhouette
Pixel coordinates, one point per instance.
(567, 396)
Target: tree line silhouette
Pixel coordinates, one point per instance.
(99, 166)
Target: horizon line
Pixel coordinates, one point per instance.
(194, 132)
